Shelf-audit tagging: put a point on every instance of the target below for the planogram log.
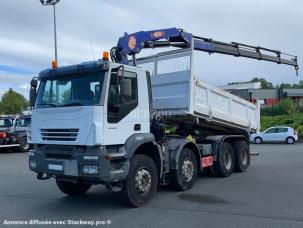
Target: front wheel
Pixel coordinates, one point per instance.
(24, 145)
(185, 176)
(142, 181)
(72, 188)
(258, 140)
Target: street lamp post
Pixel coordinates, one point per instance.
(53, 3)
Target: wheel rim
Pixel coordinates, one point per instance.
(258, 141)
(187, 169)
(227, 160)
(244, 156)
(290, 140)
(25, 145)
(143, 180)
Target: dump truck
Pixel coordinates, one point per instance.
(133, 124)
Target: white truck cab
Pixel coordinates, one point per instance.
(90, 109)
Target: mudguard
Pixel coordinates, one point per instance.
(175, 147)
(135, 141)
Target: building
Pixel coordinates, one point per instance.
(266, 97)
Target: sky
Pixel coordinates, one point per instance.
(85, 28)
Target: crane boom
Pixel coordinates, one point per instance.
(132, 44)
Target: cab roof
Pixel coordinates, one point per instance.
(72, 69)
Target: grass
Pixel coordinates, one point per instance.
(294, 120)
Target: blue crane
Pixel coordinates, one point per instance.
(132, 44)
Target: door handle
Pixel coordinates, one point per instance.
(137, 127)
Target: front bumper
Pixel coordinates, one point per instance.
(69, 163)
(296, 137)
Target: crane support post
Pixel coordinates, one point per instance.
(132, 44)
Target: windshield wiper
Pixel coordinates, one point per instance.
(50, 104)
(72, 104)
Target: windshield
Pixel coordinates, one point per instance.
(73, 90)
(6, 122)
(23, 122)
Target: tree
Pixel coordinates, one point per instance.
(287, 106)
(12, 102)
(265, 84)
(287, 86)
(291, 86)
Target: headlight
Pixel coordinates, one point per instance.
(90, 157)
(90, 169)
(33, 163)
(29, 135)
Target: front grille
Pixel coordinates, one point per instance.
(59, 134)
(59, 156)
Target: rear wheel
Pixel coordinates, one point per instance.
(242, 156)
(258, 140)
(72, 188)
(224, 166)
(184, 178)
(142, 180)
(290, 140)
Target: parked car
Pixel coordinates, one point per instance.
(275, 134)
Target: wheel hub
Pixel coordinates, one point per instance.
(244, 156)
(228, 160)
(258, 140)
(187, 170)
(25, 145)
(143, 180)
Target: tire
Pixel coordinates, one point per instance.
(185, 176)
(258, 140)
(224, 166)
(242, 155)
(142, 181)
(290, 140)
(24, 145)
(71, 188)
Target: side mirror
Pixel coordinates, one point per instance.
(34, 82)
(33, 92)
(126, 87)
(32, 96)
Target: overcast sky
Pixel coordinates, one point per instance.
(26, 33)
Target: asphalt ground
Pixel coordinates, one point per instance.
(268, 194)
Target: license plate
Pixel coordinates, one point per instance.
(55, 167)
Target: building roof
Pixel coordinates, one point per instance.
(242, 85)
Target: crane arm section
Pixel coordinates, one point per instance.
(132, 44)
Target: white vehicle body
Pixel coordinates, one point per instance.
(176, 92)
(179, 91)
(90, 123)
(275, 134)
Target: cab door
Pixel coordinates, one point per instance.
(126, 94)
